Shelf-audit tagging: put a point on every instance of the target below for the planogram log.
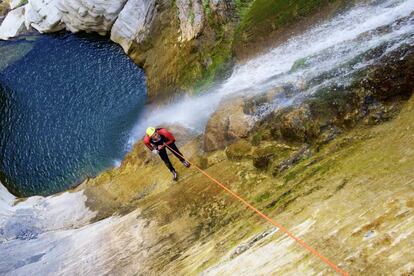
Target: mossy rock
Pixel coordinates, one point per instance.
(299, 64)
(257, 138)
(202, 162)
(238, 150)
(262, 157)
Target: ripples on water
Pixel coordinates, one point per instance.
(67, 104)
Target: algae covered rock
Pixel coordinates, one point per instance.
(262, 157)
(301, 154)
(238, 150)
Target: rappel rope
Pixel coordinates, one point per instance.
(279, 226)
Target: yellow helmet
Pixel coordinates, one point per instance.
(150, 131)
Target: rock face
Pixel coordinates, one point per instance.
(227, 124)
(48, 16)
(176, 42)
(183, 45)
(191, 18)
(221, 8)
(353, 199)
(13, 24)
(90, 15)
(133, 23)
(54, 15)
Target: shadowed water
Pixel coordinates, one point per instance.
(67, 103)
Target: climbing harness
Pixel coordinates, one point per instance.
(280, 227)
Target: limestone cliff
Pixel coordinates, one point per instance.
(182, 45)
(333, 165)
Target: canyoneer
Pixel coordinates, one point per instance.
(157, 140)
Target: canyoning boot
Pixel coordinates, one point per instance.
(175, 175)
(186, 163)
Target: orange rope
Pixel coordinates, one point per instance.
(280, 227)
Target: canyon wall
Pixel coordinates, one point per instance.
(183, 46)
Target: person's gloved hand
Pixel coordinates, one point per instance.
(160, 147)
(154, 151)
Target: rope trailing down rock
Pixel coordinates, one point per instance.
(279, 226)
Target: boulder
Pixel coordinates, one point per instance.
(44, 16)
(90, 15)
(13, 24)
(296, 124)
(262, 157)
(74, 15)
(227, 124)
(238, 150)
(133, 23)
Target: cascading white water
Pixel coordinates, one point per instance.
(47, 235)
(322, 49)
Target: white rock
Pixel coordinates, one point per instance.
(90, 15)
(74, 15)
(133, 23)
(13, 24)
(82, 11)
(44, 16)
(191, 15)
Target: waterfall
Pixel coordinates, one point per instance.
(330, 47)
(49, 234)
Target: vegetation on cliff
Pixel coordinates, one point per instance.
(329, 155)
(319, 168)
(232, 30)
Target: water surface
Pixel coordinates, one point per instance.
(67, 104)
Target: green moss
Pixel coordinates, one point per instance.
(192, 17)
(206, 8)
(202, 162)
(257, 138)
(219, 63)
(298, 64)
(239, 150)
(262, 197)
(242, 7)
(264, 16)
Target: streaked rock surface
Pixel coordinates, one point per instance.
(133, 23)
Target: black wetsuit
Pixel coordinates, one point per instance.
(163, 152)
